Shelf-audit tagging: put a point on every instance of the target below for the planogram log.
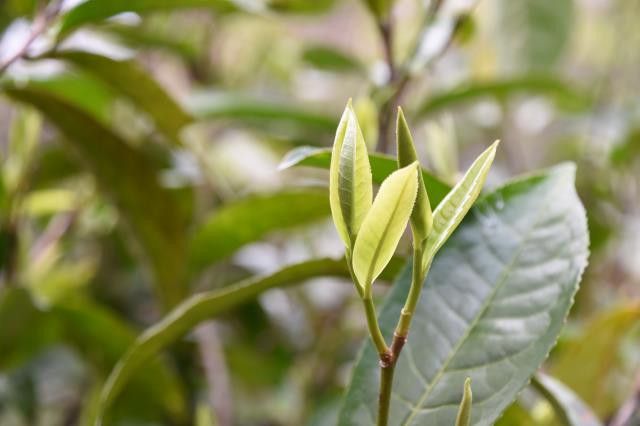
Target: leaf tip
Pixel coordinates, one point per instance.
(467, 386)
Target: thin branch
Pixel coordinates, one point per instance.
(39, 27)
(216, 373)
(630, 407)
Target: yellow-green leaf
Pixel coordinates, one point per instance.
(421, 217)
(464, 413)
(350, 184)
(384, 225)
(457, 203)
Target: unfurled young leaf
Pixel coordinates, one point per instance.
(421, 217)
(350, 186)
(457, 203)
(384, 225)
(381, 167)
(464, 412)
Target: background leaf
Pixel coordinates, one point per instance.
(209, 105)
(250, 219)
(92, 11)
(487, 311)
(330, 59)
(203, 306)
(93, 332)
(561, 92)
(568, 406)
(534, 33)
(129, 79)
(127, 176)
(592, 357)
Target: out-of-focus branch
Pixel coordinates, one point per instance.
(40, 24)
(402, 77)
(216, 373)
(629, 409)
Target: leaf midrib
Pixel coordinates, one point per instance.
(439, 239)
(480, 314)
(376, 253)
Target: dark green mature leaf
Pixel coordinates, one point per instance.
(92, 11)
(491, 309)
(204, 306)
(533, 33)
(211, 105)
(81, 90)
(567, 405)
(94, 332)
(557, 90)
(21, 339)
(127, 176)
(129, 79)
(250, 219)
(381, 167)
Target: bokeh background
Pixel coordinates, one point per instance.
(96, 242)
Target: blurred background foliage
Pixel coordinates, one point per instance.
(142, 147)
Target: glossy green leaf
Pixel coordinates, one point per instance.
(252, 218)
(533, 33)
(589, 362)
(384, 225)
(450, 212)
(127, 176)
(129, 79)
(204, 306)
(381, 167)
(464, 412)
(562, 93)
(421, 217)
(208, 105)
(350, 185)
(571, 410)
(491, 308)
(92, 11)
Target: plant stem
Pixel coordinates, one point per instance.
(404, 323)
(374, 329)
(390, 358)
(40, 25)
(384, 398)
(370, 311)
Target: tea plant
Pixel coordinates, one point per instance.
(371, 232)
(123, 216)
